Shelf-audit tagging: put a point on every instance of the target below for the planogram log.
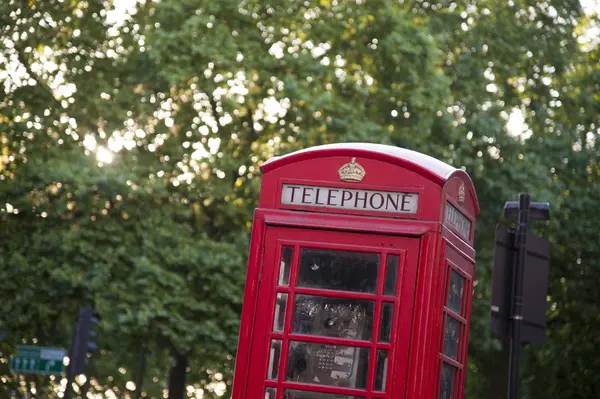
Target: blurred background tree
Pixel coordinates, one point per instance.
(132, 134)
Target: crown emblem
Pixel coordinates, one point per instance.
(352, 171)
(461, 194)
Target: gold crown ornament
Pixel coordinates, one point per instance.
(352, 171)
(461, 194)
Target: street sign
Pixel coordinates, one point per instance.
(535, 285)
(38, 360)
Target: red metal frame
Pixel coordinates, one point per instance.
(426, 244)
(455, 255)
(279, 237)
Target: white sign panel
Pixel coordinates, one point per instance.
(348, 198)
(456, 219)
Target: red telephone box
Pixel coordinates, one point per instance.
(360, 277)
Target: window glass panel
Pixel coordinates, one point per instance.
(333, 317)
(332, 365)
(382, 369)
(295, 394)
(451, 337)
(270, 393)
(447, 381)
(285, 265)
(385, 330)
(280, 306)
(338, 270)
(274, 356)
(391, 275)
(455, 291)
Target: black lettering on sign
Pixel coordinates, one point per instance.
(317, 198)
(346, 196)
(456, 219)
(306, 195)
(405, 202)
(376, 201)
(294, 188)
(390, 201)
(357, 198)
(330, 197)
(350, 198)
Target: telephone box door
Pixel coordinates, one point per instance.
(334, 314)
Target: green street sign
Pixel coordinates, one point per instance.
(38, 360)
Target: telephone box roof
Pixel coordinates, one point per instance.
(437, 170)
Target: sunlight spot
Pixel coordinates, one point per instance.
(89, 142)
(218, 387)
(276, 50)
(213, 144)
(123, 9)
(516, 126)
(199, 153)
(106, 156)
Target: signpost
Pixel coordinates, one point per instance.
(520, 282)
(38, 360)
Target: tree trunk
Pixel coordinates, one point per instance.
(177, 377)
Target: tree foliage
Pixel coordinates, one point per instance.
(131, 143)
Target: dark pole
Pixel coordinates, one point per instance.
(86, 385)
(177, 376)
(140, 376)
(67, 394)
(517, 295)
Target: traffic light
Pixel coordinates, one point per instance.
(83, 340)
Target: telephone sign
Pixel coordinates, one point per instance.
(361, 200)
(359, 278)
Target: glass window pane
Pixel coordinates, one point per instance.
(455, 291)
(447, 381)
(274, 356)
(451, 337)
(332, 365)
(382, 370)
(385, 330)
(391, 275)
(333, 317)
(295, 394)
(338, 270)
(280, 306)
(285, 265)
(270, 393)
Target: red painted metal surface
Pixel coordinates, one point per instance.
(421, 210)
(406, 248)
